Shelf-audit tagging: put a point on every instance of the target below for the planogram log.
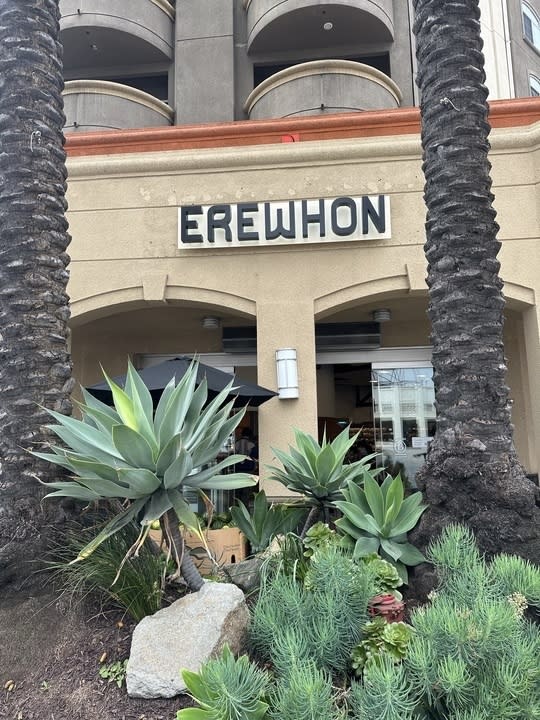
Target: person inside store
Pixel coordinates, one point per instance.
(246, 446)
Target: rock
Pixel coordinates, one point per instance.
(245, 574)
(185, 635)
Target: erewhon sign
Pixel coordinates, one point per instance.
(284, 222)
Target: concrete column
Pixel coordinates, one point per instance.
(204, 61)
(531, 326)
(285, 325)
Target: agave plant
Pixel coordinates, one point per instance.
(266, 522)
(318, 472)
(147, 458)
(376, 519)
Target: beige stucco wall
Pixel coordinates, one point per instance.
(134, 291)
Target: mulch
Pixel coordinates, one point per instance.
(50, 655)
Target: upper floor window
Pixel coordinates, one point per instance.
(531, 25)
(534, 86)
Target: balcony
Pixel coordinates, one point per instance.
(92, 105)
(108, 33)
(322, 86)
(276, 25)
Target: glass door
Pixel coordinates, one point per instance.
(403, 416)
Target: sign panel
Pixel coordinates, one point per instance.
(287, 222)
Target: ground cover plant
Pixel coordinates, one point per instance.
(470, 653)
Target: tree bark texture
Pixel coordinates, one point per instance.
(472, 473)
(35, 366)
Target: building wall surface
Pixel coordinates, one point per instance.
(277, 100)
(134, 291)
(204, 59)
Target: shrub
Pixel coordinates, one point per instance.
(473, 654)
(384, 694)
(326, 611)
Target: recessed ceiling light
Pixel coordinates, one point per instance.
(328, 26)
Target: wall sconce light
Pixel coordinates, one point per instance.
(287, 373)
(210, 323)
(381, 315)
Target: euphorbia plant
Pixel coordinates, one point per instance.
(145, 459)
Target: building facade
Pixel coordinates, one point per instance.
(234, 196)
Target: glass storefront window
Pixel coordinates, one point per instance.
(403, 417)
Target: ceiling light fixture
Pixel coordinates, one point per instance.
(328, 26)
(210, 323)
(381, 315)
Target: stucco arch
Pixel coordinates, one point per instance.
(368, 290)
(518, 296)
(114, 301)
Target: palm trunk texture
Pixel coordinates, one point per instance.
(472, 473)
(35, 367)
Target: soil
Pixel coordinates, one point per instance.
(50, 656)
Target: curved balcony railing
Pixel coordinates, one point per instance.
(151, 21)
(92, 105)
(322, 86)
(271, 21)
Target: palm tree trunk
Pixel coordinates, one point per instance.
(35, 368)
(472, 473)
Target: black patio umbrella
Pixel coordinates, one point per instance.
(157, 376)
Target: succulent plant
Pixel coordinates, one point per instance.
(266, 522)
(146, 458)
(318, 471)
(376, 519)
(381, 637)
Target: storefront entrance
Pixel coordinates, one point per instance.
(384, 395)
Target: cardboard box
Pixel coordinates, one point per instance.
(227, 546)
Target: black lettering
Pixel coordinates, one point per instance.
(342, 230)
(308, 219)
(186, 224)
(378, 218)
(271, 233)
(215, 222)
(244, 222)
